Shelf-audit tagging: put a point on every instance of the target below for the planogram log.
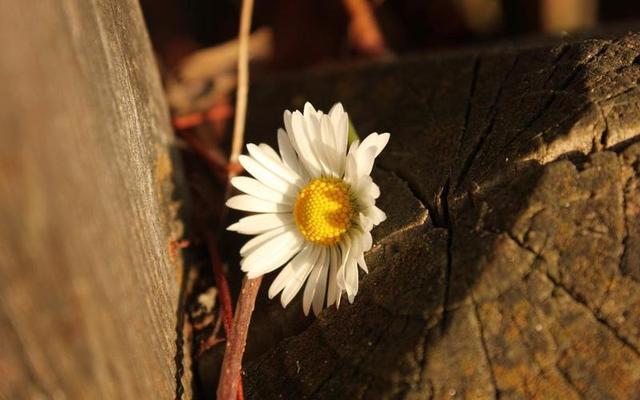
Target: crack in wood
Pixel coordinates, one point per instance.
(447, 276)
(472, 90)
(599, 318)
(567, 378)
(602, 321)
(468, 162)
(485, 349)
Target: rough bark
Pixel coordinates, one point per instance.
(88, 284)
(510, 264)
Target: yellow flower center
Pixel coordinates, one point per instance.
(324, 210)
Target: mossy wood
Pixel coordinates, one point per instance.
(509, 266)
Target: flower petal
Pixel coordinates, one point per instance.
(268, 150)
(246, 202)
(299, 276)
(258, 189)
(345, 249)
(321, 286)
(260, 223)
(303, 145)
(334, 264)
(351, 279)
(264, 175)
(287, 273)
(275, 167)
(257, 241)
(328, 148)
(363, 264)
(379, 141)
(266, 254)
(314, 278)
(271, 255)
(364, 160)
(289, 157)
(377, 215)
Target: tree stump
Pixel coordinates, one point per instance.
(509, 266)
(88, 278)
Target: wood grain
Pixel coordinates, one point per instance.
(88, 285)
(522, 281)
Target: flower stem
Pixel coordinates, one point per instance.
(236, 342)
(230, 378)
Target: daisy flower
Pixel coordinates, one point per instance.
(315, 207)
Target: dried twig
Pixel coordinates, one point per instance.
(222, 285)
(224, 294)
(243, 80)
(236, 341)
(232, 362)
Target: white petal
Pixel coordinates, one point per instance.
(351, 171)
(331, 156)
(374, 190)
(379, 141)
(309, 109)
(246, 202)
(299, 277)
(377, 215)
(334, 264)
(345, 249)
(366, 241)
(287, 122)
(365, 222)
(362, 263)
(287, 273)
(351, 279)
(264, 175)
(273, 258)
(348, 273)
(303, 145)
(321, 286)
(289, 157)
(266, 252)
(260, 223)
(312, 282)
(364, 160)
(340, 122)
(257, 241)
(258, 189)
(312, 123)
(366, 187)
(273, 166)
(268, 150)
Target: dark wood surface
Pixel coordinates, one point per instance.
(88, 285)
(510, 264)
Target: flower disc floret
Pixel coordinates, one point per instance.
(324, 211)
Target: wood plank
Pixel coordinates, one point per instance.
(88, 288)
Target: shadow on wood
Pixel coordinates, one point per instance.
(509, 264)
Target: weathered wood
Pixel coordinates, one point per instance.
(510, 264)
(88, 287)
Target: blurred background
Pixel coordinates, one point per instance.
(195, 40)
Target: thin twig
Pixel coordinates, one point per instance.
(232, 362)
(243, 80)
(230, 384)
(222, 285)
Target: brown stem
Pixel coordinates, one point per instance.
(232, 362)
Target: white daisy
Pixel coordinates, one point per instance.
(315, 205)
